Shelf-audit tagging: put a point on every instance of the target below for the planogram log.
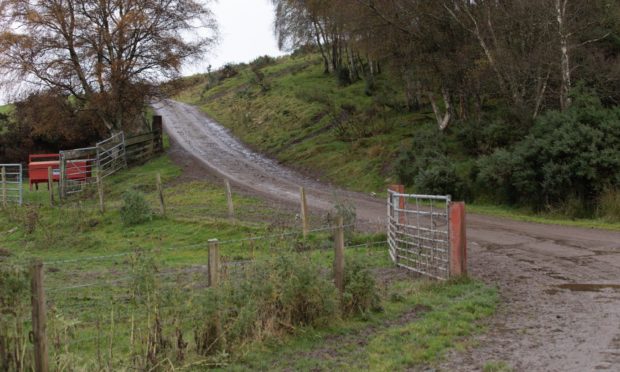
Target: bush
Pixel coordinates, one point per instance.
(484, 136)
(262, 61)
(344, 76)
(348, 212)
(360, 289)
(571, 154)
(427, 166)
(273, 297)
(135, 209)
(439, 177)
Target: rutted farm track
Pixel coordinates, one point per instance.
(560, 286)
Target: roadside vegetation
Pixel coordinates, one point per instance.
(129, 288)
(561, 169)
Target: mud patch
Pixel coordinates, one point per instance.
(578, 287)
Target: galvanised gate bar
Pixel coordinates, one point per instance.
(11, 184)
(419, 233)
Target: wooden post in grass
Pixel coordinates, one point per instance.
(160, 193)
(3, 183)
(229, 199)
(50, 184)
(304, 212)
(339, 256)
(39, 318)
(214, 263)
(100, 192)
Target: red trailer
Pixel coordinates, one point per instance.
(37, 168)
(77, 170)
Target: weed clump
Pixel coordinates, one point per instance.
(14, 311)
(274, 297)
(361, 294)
(135, 209)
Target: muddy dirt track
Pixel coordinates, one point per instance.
(560, 286)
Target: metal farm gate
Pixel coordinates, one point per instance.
(82, 167)
(111, 155)
(419, 233)
(11, 184)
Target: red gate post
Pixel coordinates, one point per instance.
(458, 240)
(400, 189)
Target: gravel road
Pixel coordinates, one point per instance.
(560, 286)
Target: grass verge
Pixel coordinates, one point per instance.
(126, 297)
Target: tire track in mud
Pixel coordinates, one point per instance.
(561, 305)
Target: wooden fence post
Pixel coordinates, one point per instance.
(4, 184)
(458, 240)
(158, 130)
(304, 212)
(214, 263)
(160, 192)
(339, 256)
(50, 184)
(39, 318)
(231, 207)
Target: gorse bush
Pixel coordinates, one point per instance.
(571, 154)
(135, 209)
(427, 166)
(562, 162)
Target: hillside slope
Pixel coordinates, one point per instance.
(290, 110)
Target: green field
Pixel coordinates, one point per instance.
(5, 109)
(119, 297)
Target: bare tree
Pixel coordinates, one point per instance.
(104, 53)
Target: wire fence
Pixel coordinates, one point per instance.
(106, 311)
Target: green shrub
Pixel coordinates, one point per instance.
(344, 76)
(135, 209)
(427, 167)
(571, 154)
(360, 289)
(262, 61)
(348, 212)
(272, 297)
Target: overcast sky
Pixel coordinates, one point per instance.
(246, 32)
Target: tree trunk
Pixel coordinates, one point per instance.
(565, 101)
(443, 119)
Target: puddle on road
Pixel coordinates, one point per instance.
(577, 287)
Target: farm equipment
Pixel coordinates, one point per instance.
(76, 170)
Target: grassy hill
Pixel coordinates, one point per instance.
(293, 112)
(353, 135)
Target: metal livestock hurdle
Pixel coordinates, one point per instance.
(111, 155)
(77, 169)
(419, 233)
(11, 184)
(82, 167)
